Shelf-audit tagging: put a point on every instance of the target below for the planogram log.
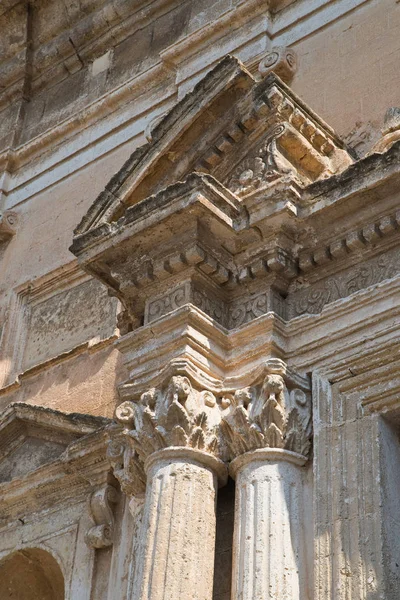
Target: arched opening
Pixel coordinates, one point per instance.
(31, 574)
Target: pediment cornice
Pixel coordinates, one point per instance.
(228, 126)
(244, 202)
(43, 445)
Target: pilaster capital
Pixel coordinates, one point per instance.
(271, 413)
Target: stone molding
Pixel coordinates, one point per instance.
(268, 107)
(265, 455)
(190, 456)
(253, 241)
(358, 240)
(79, 468)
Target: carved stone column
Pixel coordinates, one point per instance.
(268, 430)
(171, 432)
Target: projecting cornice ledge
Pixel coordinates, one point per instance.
(244, 202)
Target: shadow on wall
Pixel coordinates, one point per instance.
(31, 574)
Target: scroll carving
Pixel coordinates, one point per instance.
(173, 415)
(271, 413)
(125, 462)
(280, 60)
(8, 225)
(314, 298)
(101, 535)
(268, 416)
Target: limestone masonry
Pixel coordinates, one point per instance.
(199, 300)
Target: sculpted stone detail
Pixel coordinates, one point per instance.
(390, 131)
(101, 535)
(183, 294)
(355, 241)
(127, 467)
(248, 309)
(314, 298)
(175, 415)
(171, 301)
(268, 416)
(260, 170)
(169, 417)
(280, 60)
(8, 224)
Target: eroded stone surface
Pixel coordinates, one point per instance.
(283, 245)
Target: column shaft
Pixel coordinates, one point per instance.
(178, 530)
(269, 558)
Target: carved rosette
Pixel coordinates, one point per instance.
(174, 415)
(268, 415)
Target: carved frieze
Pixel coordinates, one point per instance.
(313, 298)
(187, 292)
(249, 308)
(230, 315)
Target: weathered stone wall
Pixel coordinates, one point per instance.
(81, 86)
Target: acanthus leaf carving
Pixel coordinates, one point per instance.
(267, 416)
(176, 415)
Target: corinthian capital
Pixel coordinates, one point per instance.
(173, 415)
(268, 415)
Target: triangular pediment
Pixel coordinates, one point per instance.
(33, 436)
(245, 133)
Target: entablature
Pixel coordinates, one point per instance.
(244, 202)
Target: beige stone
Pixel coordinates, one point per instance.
(230, 303)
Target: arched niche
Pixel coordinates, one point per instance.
(31, 574)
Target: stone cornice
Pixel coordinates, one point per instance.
(185, 334)
(80, 468)
(255, 243)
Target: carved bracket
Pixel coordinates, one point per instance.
(101, 535)
(8, 224)
(280, 60)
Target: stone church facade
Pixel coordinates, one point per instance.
(199, 300)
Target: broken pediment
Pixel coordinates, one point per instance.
(32, 436)
(245, 133)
